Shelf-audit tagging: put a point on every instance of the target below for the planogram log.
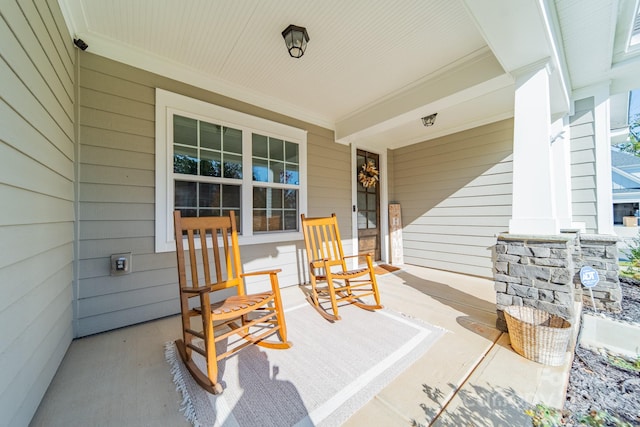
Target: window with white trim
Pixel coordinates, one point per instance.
(211, 160)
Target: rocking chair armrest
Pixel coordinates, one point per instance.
(262, 272)
(330, 263)
(359, 255)
(273, 278)
(198, 290)
(317, 263)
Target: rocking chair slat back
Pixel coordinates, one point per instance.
(322, 239)
(214, 251)
(327, 265)
(214, 264)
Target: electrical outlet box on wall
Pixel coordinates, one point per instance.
(120, 264)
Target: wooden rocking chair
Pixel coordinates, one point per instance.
(213, 268)
(327, 263)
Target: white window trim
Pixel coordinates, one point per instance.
(168, 103)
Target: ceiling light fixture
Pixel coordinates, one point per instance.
(296, 39)
(429, 120)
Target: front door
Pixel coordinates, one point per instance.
(368, 209)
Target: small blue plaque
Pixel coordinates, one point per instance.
(589, 277)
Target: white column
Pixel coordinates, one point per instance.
(604, 186)
(533, 210)
(561, 169)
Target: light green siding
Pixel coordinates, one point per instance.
(37, 74)
(455, 194)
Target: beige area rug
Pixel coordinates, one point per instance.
(331, 370)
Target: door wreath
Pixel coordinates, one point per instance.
(368, 175)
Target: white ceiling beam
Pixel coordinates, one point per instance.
(460, 82)
(625, 75)
(520, 33)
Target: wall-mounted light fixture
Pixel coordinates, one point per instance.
(296, 39)
(429, 120)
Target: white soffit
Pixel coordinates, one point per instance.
(588, 32)
(372, 66)
(360, 51)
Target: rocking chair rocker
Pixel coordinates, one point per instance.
(327, 264)
(214, 267)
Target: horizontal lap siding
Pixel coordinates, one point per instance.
(37, 190)
(583, 165)
(117, 196)
(456, 194)
(117, 119)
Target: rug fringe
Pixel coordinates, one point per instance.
(186, 406)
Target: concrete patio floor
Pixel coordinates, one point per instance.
(469, 377)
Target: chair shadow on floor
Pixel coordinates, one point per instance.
(261, 388)
(480, 314)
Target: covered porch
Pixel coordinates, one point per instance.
(467, 377)
(521, 145)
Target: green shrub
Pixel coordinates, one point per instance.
(620, 362)
(633, 252)
(601, 419)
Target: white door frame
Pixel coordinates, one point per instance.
(384, 203)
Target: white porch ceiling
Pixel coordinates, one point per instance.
(372, 67)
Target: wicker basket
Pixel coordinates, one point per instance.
(538, 335)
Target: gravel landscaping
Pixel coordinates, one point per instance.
(596, 384)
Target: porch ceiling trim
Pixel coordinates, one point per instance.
(477, 75)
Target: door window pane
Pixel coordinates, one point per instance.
(362, 201)
(359, 162)
(372, 219)
(362, 220)
(372, 202)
